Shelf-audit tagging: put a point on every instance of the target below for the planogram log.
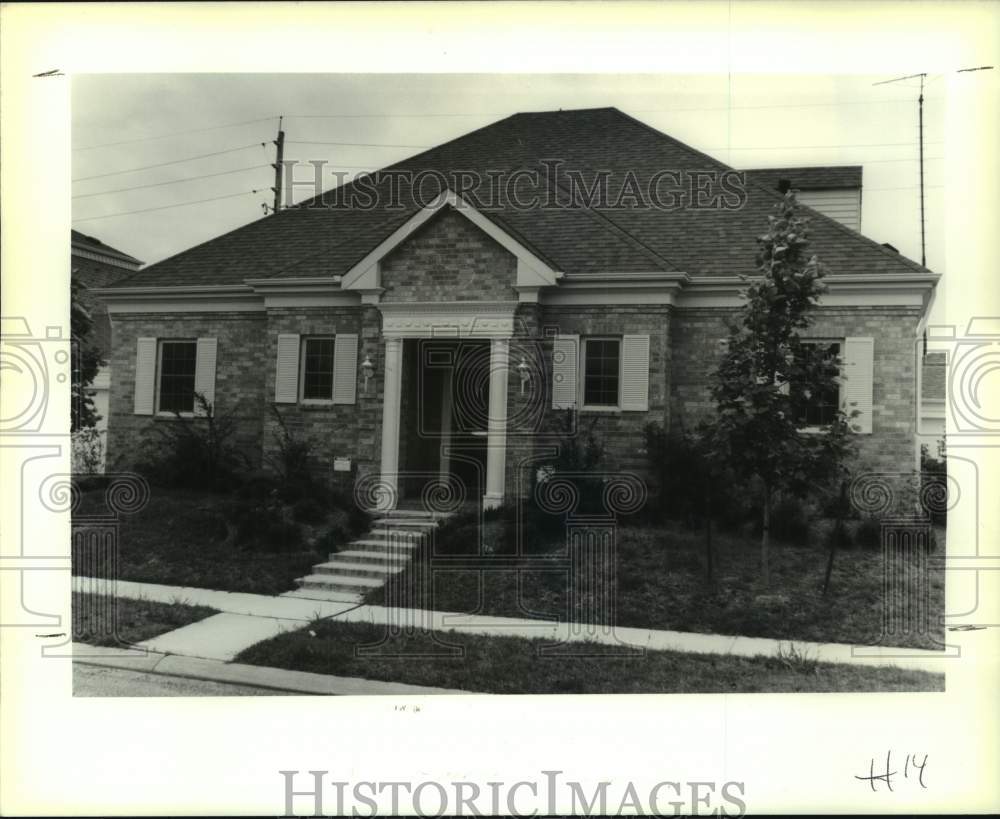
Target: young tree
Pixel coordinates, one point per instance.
(768, 376)
(87, 361)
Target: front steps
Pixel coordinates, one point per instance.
(366, 563)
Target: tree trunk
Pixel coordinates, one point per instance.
(829, 561)
(765, 539)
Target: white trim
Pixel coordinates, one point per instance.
(455, 319)
(531, 270)
(85, 253)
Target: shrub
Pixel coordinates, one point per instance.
(357, 519)
(308, 510)
(195, 452)
(265, 529)
(868, 534)
(934, 482)
(87, 453)
(292, 462)
(789, 521)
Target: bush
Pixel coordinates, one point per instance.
(292, 463)
(265, 529)
(308, 510)
(868, 534)
(789, 521)
(358, 520)
(195, 452)
(87, 453)
(934, 473)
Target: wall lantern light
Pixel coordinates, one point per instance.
(524, 371)
(367, 371)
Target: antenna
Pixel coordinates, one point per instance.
(278, 166)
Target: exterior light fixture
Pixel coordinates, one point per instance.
(524, 371)
(367, 371)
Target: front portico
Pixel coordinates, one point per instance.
(490, 321)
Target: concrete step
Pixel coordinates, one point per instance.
(402, 533)
(364, 556)
(336, 569)
(339, 583)
(392, 547)
(413, 524)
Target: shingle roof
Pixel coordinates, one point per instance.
(816, 178)
(85, 242)
(324, 236)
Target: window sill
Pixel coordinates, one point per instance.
(612, 410)
(315, 405)
(172, 416)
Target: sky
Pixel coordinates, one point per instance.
(129, 121)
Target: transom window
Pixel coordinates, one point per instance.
(601, 372)
(317, 369)
(177, 369)
(821, 409)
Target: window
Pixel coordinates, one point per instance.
(317, 369)
(820, 410)
(177, 368)
(601, 372)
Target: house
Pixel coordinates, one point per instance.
(933, 387)
(833, 191)
(433, 319)
(97, 265)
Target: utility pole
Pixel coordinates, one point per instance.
(278, 166)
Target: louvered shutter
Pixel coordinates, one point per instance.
(204, 371)
(145, 376)
(635, 373)
(857, 378)
(564, 371)
(286, 372)
(345, 368)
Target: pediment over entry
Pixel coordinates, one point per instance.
(532, 272)
(454, 319)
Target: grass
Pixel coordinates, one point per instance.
(661, 584)
(178, 539)
(512, 665)
(97, 622)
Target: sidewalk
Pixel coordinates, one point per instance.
(258, 617)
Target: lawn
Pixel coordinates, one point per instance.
(661, 584)
(512, 665)
(179, 539)
(133, 620)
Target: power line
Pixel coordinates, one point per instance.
(354, 144)
(175, 133)
(171, 162)
(170, 182)
(167, 207)
(845, 145)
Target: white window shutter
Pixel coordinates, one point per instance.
(858, 373)
(565, 357)
(286, 371)
(345, 368)
(145, 376)
(635, 373)
(204, 371)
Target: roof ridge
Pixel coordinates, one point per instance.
(776, 196)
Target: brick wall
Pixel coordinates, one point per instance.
(890, 447)
(331, 430)
(239, 384)
(449, 259)
(621, 432)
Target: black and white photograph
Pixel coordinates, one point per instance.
(382, 388)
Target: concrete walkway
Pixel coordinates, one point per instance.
(223, 636)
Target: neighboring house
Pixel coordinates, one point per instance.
(400, 337)
(933, 387)
(833, 191)
(97, 265)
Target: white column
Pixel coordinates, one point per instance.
(391, 401)
(496, 441)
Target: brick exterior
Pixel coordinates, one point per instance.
(238, 383)
(449, 259)
(890, 447)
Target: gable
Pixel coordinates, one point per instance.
(448, 258)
